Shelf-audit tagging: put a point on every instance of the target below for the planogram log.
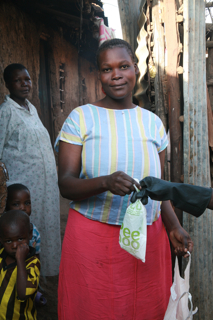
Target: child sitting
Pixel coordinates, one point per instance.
(19, 267)
(18, 198)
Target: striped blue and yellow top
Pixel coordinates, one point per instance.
(126, 140)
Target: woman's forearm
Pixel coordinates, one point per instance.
(69, 167)
(74, 188)
(118, 183)
(169, 217)
(78, 189)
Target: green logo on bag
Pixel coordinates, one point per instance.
(130, 238)
(135, 208)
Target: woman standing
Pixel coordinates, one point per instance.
(26, 150)
(102, 147)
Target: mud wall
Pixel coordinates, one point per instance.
(20, 36)
(81, 79)
(19, 43)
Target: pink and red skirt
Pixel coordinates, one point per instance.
(100, 281)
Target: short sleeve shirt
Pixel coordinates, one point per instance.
(126, 140)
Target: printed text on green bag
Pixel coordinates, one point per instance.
(130, 238)
(135, 208)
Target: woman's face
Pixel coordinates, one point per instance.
(117, 72)
(20, 84)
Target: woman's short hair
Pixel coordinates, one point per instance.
(9, 70)
(114, 43)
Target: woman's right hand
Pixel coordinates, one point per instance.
(120, 183)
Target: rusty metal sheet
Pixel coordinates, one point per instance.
(141, 53)
(161, 99)
(129, 12)
(196, 153)
(174, 108)
(132, 22)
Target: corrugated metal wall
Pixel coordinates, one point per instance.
(129, 14)
(196, 153)
(132, 21)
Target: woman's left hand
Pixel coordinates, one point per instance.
(181, 241)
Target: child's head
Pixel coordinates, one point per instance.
(18, 198)
(114, 43)
(15, 229)
(17, 80)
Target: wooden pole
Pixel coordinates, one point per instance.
(160, 78)
(172, 47)
(209, 69)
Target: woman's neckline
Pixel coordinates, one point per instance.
(113, 109)
(19, 106)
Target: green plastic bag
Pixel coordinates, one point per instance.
(133, 232)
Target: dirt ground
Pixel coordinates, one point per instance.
(50, 284)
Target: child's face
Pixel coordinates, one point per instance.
(20, 84)
(117, 72)
(14, 235)
(20, 200)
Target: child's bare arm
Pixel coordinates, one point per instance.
(21, 254)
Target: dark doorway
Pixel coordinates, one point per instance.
(44, 90)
